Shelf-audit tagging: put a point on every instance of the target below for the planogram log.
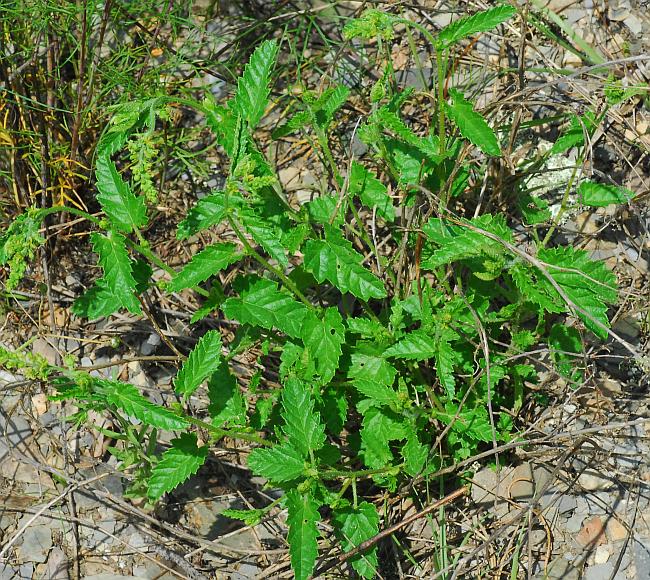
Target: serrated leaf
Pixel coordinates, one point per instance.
(303, 532)
(372, 366)
(97, 302)
(469, 423)
(303, 425)
(416, 345)
(371, 191)
(334, 409)
(371, 24)
(324, 338)
(261, 303)
(118, 278)
(601, 195)
(366, 327)
(125, 211)
(355, 526)
(182, 459)
(411, 163)
(322, 209)
(469, 25)
(586, 282)
(250, 517)
(142, 273)
(128, 399)
(278, 464)
(207, 212)
(202, 362)
(373, 376)
(380, 427)
(458, 243)
(253, 86)
(266, 235)
(575, 134)
(212, 303)
(564, 344)
(333, 101)
(527, 281)
(387, 119)
(471, 124)
(335, 260)
(206, 263)
(227, 404)
(415, 455)
(534, 209)
(446, 358)
(299, 121)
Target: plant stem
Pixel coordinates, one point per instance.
(336, 473)
(441, 67)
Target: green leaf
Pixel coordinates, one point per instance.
(322, 208)
(333, 100)
(278, 464)
(469, 25)
(212, 303)
(575, 135)
(250, 517)
(411, 164)
(367, 327)
(182, 459)
(266, 235)
(299, 121)
(601, 195)
(125, 211)
(587, 283)
(469, 423)
(303, 532)
(202, 362)
(446, 356)
(206, 263)
(372, 23)
(334, 409)
(373, 376)
(528, 281)
(387, 119)
(127, 398)
(415, 454)
(142, 273)
(303, 425)
(253, 86)
(534, 209)
(471, 124)
(354, 527)
(564, 343)
(371, 191)
(262, 304)
(416, 345)
(227, 404)
(335, 260)
(323, 338)
(459, 243)
(207, 212)
(118, 277)
(380, 427)
(96, 302)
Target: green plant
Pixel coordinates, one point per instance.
(394, 360)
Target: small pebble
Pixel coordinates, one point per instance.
(602, 554)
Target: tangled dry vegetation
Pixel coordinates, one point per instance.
(548, 476)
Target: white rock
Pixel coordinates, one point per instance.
(602, 555)
(592, 480)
